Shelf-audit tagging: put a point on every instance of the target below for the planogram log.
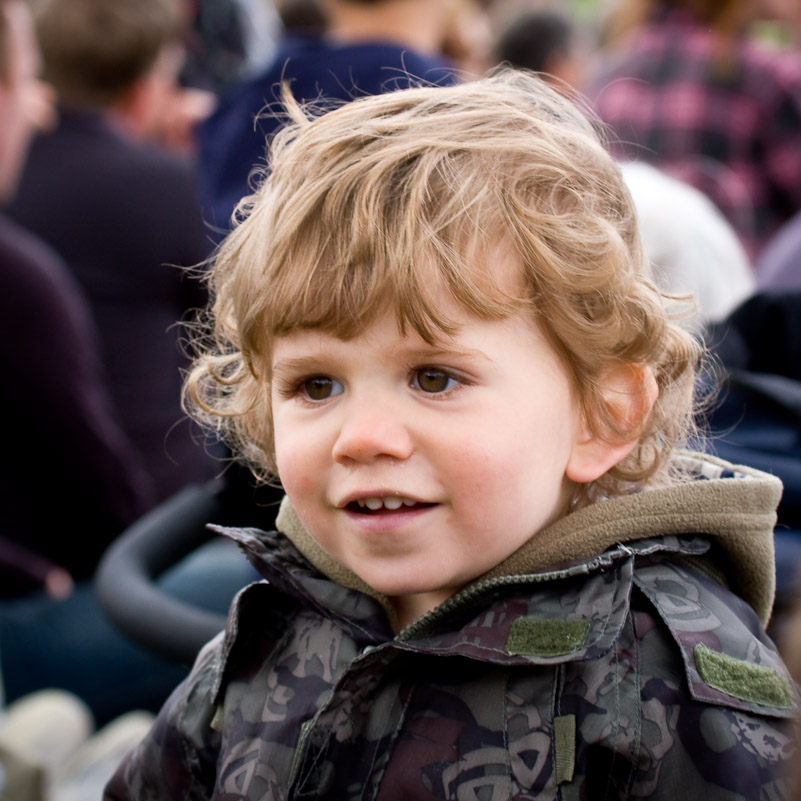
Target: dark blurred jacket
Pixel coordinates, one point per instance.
(233, 140)
(66, 457)
(125, 218)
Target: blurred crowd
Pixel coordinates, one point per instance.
(132, 133)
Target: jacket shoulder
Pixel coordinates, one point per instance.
(727, 657)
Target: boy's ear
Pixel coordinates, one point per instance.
(629, 392)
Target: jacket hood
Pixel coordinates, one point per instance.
(734, 505)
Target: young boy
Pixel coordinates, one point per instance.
(496, 576)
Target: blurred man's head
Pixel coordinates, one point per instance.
(94, 51)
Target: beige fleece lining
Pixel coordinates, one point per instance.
(738, 513)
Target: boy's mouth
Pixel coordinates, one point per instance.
(392, 503)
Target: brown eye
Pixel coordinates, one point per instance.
(321, 388)
(432, 380)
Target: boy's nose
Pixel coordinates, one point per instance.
(371, 431)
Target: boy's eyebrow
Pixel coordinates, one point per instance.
(313, 361)
(436, 351)
(296, 364)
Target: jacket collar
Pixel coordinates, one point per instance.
(733, 505)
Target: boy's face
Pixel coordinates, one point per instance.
(419, 466)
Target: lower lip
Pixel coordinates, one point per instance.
(388, 520)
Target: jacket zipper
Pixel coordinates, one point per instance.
(416, 628)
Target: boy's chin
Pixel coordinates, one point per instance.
(409, 607)
(412, 586)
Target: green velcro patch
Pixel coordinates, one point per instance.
(564, 737)
(217, 721)
(537, 637)
(741, 679)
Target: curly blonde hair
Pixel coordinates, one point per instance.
(384, 201)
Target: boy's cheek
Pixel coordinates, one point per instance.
(299, 474)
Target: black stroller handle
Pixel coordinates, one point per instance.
(126, 577)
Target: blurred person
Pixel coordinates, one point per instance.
(547, 41)
(685, 88)
(123, 213)
(261, 28)
(216, 46)
(757, 419)
(301, 16)
(368, 47)
(60, 406)
(69, 482)
(467, 41)
(178, 94)
(227, 40)
(174, 109)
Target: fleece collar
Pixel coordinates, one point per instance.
(735, 506)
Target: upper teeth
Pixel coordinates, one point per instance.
(392, 502)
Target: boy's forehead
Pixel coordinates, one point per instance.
(388, 327)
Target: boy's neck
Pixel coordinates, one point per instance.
(417, 24)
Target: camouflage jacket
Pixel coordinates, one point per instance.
(631, 673)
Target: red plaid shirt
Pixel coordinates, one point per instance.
(727, 122)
